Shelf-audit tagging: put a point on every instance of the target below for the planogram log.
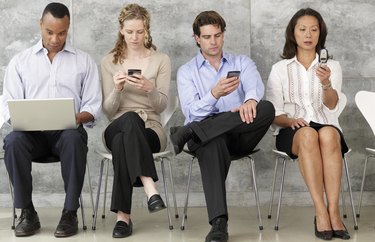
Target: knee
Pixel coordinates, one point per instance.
(14, 140)
(306, 138)
(267, 108)
(329, 137)
(74, 138)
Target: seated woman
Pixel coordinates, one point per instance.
(305, 95)
(135, 86)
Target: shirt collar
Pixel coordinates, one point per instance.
(39, 47)
(201, 60)
(294, 59)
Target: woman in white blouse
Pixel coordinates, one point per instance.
(306, 96)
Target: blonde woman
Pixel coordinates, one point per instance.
(136, 81)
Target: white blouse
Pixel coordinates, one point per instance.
(298, 93)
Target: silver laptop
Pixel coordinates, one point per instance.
(42, 114)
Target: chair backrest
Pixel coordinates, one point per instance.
(171, 108)
(342, 103)
(365, 101)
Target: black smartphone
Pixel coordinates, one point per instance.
(131, 72)
(323, 56)
(233, 73)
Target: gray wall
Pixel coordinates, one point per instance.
(255, 28)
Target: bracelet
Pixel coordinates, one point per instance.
(327, 86)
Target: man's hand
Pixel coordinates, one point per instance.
(84, 117)
(248, 111)
(225, 86)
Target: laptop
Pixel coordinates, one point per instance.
(42, 114)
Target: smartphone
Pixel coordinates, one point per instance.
(233, 73)
(323, 56)
(131, 72)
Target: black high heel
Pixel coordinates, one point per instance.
(341, 234)
(324, 235)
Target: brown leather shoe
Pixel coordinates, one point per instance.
(68, 224)
(28, 223)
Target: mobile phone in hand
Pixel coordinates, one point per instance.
(233, 73)
(131, 72)
(323, 56)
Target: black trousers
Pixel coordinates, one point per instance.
(132, 146)
(220, 137)
(69, 146)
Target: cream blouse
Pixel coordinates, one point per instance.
(148, 105)
(298, 93)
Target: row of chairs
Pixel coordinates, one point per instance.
(362, 100)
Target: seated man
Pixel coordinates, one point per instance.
(224, 115)
(52, 68)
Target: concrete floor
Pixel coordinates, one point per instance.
(296, 224)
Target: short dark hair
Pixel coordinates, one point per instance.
(58, 10)
(290, 47)
(208, 18)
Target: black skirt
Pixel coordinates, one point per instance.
(284, 139)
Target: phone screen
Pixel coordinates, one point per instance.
(131, 72)
(233, 73)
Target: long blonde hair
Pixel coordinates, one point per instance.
(130, 12)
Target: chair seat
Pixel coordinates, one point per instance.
(233, 157)
(106, 154)
(370, 150)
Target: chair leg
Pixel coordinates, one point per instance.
(280, 195)
(344, 215)
(90, 189)
(105, 188)
(350, 193)
(14, 215)
(362, 185)
(98, 194)
(256, 191)
(84, 227)
(173, 190)
(166, 193)
(184, 217)
(273, 189)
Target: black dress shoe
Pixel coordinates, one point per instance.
(122, 229)
(341, 234)
(155, 203)
(68, 224)
(324, 235)
(219, 231)
(179, 136)
(28, 223)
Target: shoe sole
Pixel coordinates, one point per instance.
(156, 209)
(24, 234)
(65, 235)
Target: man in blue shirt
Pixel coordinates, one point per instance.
(51, 69)
(224, 115)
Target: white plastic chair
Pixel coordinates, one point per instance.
(284, 157)
(158, 157)
(365, 103)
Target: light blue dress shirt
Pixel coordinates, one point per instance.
(72, 73)
(196, 78)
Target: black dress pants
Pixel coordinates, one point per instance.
(221, 136)
(132, 146)
(69, 146)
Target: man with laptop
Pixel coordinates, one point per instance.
(51, 69)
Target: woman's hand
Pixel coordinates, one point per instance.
(119, 79)
(323, 72)
(140, 82)
(298, 123)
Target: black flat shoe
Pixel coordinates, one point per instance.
(341, 234)
(122, 229)
(324, 235)
(155, 203)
